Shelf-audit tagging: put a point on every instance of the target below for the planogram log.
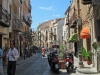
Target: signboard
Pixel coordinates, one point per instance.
(95, 1)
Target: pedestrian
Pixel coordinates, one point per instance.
(1, 65)
(12, 56)
(39, 48)
(27, 51)
(43, 49)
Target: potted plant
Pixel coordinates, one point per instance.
(61, 56)
(5, 49)
(83, 52)
(88, 57)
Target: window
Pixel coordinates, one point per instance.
(14, 15)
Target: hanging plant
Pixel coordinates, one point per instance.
(73, 38)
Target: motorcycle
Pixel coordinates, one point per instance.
(69, 63)
(53, 62)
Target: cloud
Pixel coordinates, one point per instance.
(47, 8)
(46, 20)
(57, 15)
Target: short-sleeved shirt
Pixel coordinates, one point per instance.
(43, 50)
(1, 53)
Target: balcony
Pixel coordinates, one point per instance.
(54, 33)
(51, 41)
(4, 17)
(17, 25)
(51, 32)
(67, 21)
(27, 21)
(29, 7)
(73, 20)
(18, 3)
(87, 2)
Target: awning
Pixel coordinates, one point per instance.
(73, 38)
(85, 33)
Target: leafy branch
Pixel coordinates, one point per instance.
(28, 34)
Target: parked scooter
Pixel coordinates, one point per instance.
(53, 61)
(69, 63)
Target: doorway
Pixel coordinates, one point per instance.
(76, 49)
(0, 41)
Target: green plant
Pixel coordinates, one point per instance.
(83, 51)
(60, 55)
(74, 38)
(5, 49)
(87, 55)
(61, 51)
(95, 45)
(62, 48)
(28, 34)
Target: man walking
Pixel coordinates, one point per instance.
(27, 51)
(12, 58)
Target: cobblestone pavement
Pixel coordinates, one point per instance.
(38, 65)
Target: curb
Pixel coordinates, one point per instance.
(86, 71)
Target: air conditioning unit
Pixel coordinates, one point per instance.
(85, 2)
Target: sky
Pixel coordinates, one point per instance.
(44, 10)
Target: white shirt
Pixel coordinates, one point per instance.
(15, 54)
(26, 47)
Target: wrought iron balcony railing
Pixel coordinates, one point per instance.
(29, 7)
(17, 25)
(27, 20)
(4, 17)
(72, 21)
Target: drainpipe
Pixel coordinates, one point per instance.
(92, 37)
(79, 29)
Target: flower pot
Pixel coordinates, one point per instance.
(83, 58)
(62, 64)
(88, 62)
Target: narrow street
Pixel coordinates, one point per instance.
(38, 65)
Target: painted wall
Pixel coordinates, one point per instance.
(60, 30)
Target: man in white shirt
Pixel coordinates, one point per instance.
(27, 51)
(12, 56)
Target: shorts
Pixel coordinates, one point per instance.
(1, 70)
